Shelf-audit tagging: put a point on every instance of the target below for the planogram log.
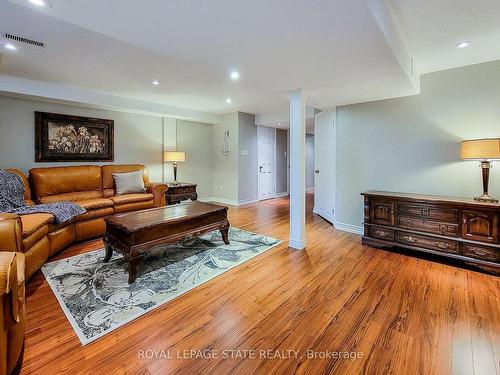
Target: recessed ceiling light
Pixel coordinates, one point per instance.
(467, 43)
(155, 82)
(10, 46)
(41, 3)
(228, 100)
(279, 123)
(235, 75)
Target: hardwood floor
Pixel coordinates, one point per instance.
(404, 314)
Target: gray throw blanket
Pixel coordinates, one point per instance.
(12, 201)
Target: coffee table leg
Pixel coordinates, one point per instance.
(109, 251)
(225, 235)
(132, 269)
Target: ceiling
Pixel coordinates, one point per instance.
(432, 28)
(339, 52)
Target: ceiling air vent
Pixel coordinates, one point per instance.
(24, 40)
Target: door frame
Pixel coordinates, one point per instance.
(330, 216)
(273, 161)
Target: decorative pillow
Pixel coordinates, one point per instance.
(129, 183)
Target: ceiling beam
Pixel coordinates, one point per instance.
(20, 87)
(396, 41)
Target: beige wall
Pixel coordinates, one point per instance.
(138, 138)
(309, 161)
(247, 164)
(225, 169)
(281, 161)
(412, 144)
(196, 140)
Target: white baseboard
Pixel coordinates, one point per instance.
(324, 215)
(280, 195)
(296, 244)
(230, 202)
(247, 201)
(311, 188)
(349, 228)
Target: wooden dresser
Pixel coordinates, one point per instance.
(451, 227)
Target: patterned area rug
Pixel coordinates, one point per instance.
(97, 299)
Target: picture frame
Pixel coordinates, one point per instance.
(67, 138)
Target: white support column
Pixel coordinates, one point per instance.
(297, 170)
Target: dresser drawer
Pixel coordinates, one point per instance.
(480, 225)
(382, 233)
(426, 211)
(423, 225)
(427, 242)
(382, 212)
(481, 252)
(184, 190)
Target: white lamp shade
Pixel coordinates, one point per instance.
(481, 149)
(174, 156)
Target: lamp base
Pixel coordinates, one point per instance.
(486, 198)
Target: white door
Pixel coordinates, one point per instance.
(324, 146)
(266, 139)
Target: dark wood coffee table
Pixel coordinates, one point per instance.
(134, 234)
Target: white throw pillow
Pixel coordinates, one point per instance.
(129, 183)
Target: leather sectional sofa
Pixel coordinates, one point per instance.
(90, 186)
(27, 241)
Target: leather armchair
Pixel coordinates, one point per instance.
(12, 311)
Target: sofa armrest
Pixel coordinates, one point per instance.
(10, 233)
(11, 278)
(158, 190)
(12, 305)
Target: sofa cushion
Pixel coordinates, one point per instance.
(129, 183)
(93, 204)
(92, 214)
(131, 198)
(134, 206)
(33, 222)
(61, 181)
(36, 236)
(71, 197)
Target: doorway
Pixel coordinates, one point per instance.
(266, 138)
(324, 159)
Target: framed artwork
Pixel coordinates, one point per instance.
(60, 138)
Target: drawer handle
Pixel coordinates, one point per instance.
(409, 239)
(381, 233)
(479, 252)
(442, 245)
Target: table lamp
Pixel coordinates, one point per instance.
(484, 150)
(174, 157)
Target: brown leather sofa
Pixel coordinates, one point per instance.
(92, 187)
(12, 313)
(27, 241)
